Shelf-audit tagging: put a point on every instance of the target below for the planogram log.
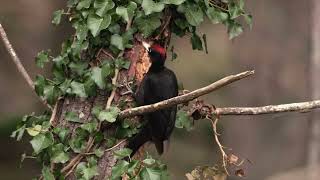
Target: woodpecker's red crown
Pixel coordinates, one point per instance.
(159, 49)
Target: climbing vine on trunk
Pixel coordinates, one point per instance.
(94, 77)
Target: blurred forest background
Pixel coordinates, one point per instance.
(278, 48)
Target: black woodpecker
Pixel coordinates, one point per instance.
(159, 83)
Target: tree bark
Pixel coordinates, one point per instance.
(138, 67)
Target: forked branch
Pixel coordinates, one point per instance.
(270, 109)
(186, 97)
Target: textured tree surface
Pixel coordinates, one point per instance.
(139, 66)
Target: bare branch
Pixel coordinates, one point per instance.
(271, 109)
(186, 97)
(15, 57)
(17, 61)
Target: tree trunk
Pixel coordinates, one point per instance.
(139, 65)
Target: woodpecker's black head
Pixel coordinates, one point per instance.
(157, 54)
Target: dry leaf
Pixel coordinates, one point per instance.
(240, 173)
(233, 159)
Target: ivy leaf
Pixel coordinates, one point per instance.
(77, 145)
(84, 4)
(150, 174)
(216, 16)
(78, 67)
(127, 12)
(41, 142)
(18, 134)
(175, 2)
(57, 17)
(119, 169)
(90, 172)
(58, 155)
(241, 4)
(78, 89)
(183, 120)
(39, 85)
(42, 58)
(102, 6)
(125, 152)
(99, 77)
(92, 161)
(51, 94)
(34, 130)
(149, 161)
(114, 29)
(235, 9)
(234, 29)
(61, 132)
(122, 63)
(149, 6)
(133, 164)
(79, 170)
(193, 13)
(77, 46)
(46, 173)
(248, 19)
(99, 152)
(147, 25)
(117, 41)
(91, 127)
(73, 117)
(109, 115)
(96, 23)
(65, 86)
(196, 42)
(72, 3)
(96, 110)
(81, 32)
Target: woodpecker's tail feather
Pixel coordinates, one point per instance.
(159, 146)
(139, 140)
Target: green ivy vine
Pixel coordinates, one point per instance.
(111, 24)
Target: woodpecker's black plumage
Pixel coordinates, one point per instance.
(159, 83)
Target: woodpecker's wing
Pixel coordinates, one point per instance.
(161, 87)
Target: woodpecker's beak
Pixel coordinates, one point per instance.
(146, 45)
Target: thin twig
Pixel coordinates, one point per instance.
(54, 113)
(223, 153)
(113, 93)
(70, 164)
(107, 53)
(15, 58)
(109, 149)
(270, 109)
(186, 97)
